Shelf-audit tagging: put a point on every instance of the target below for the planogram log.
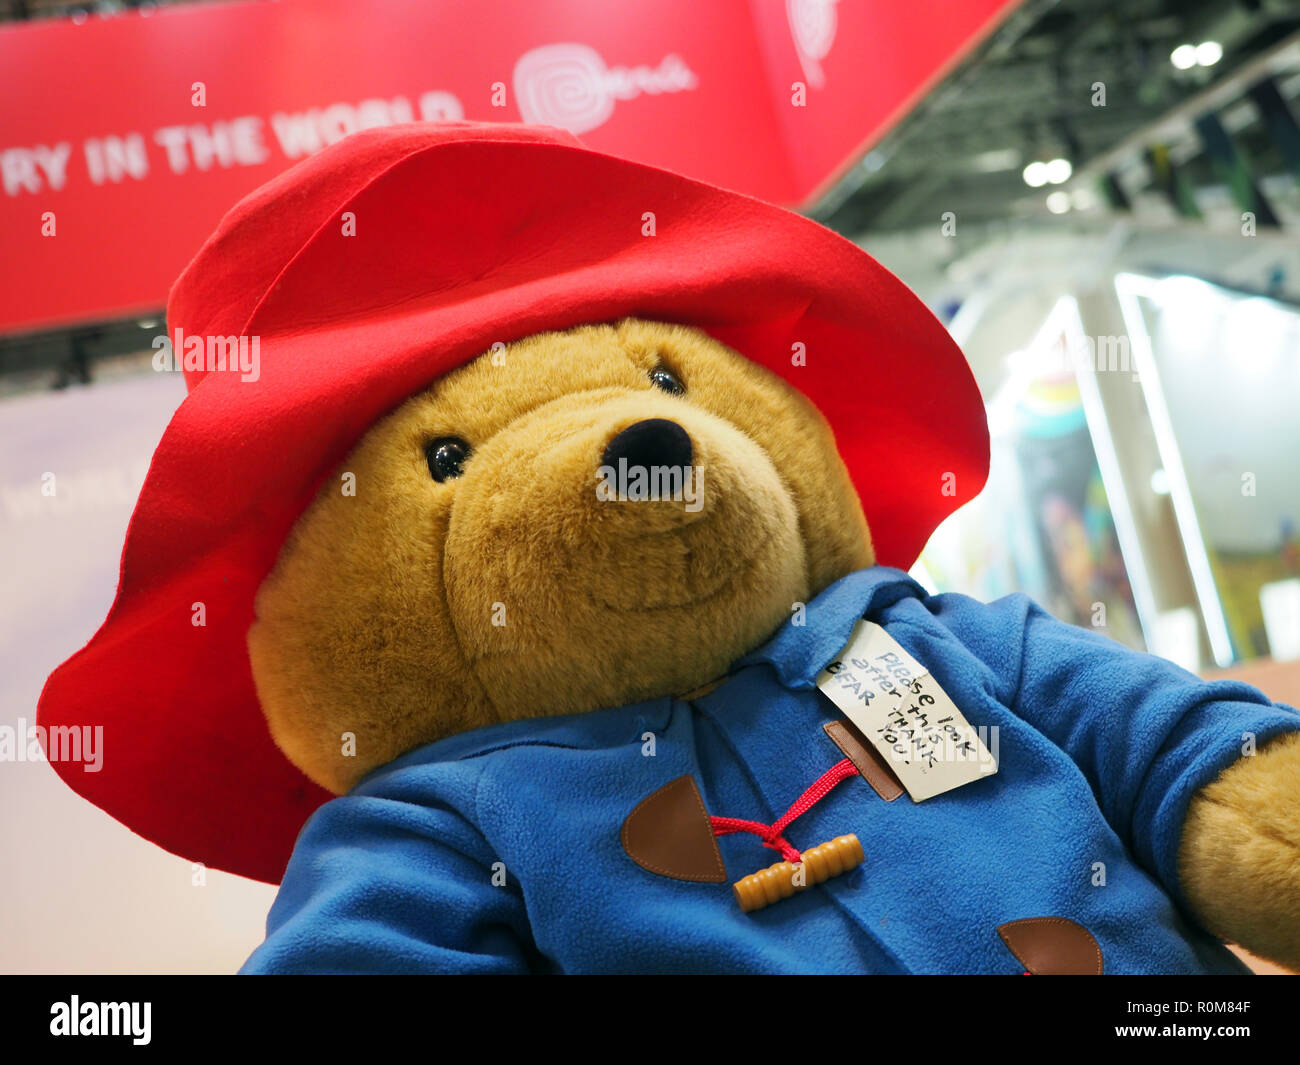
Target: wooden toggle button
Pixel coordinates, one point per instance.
(777, 882)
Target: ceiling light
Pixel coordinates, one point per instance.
(1083, 198)
(1058, 171)
(873, 161)
(1184, 56)
(1058, 202)
(995, 160)
(1035, 175)
(1209, 53)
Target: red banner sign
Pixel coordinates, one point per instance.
(124, 139)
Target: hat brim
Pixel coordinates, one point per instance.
(457, 246)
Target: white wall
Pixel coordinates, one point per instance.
(80, 892)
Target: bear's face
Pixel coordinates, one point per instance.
(494, 565)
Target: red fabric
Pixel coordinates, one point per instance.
(466, 234)
(773, 835)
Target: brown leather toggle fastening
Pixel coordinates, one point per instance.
(784, 879)
(871, 767)
(668, 833)
(1052, 946)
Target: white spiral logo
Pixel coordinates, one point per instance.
(563, 85)
(812, 26)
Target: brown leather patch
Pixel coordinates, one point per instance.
(849, 739)
(1053, 946)
(668, 833)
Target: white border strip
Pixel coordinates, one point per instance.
(1064, 317)
(1130, 288)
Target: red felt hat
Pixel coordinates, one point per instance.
(367, 271)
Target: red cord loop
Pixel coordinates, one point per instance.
(773, 835)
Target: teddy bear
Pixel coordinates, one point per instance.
(541, 605)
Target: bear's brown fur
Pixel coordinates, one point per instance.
(378, 619)
(414, 609)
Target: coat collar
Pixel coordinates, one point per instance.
(799, 652)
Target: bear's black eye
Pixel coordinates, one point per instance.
(666, 381)
(446, 457)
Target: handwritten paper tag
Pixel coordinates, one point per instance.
(905, 715)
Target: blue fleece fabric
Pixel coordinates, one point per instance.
(1100, 750)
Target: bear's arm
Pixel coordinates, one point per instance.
(1147, 735)
(394, 885)
(1240, 854)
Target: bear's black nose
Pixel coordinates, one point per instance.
(653, 442)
